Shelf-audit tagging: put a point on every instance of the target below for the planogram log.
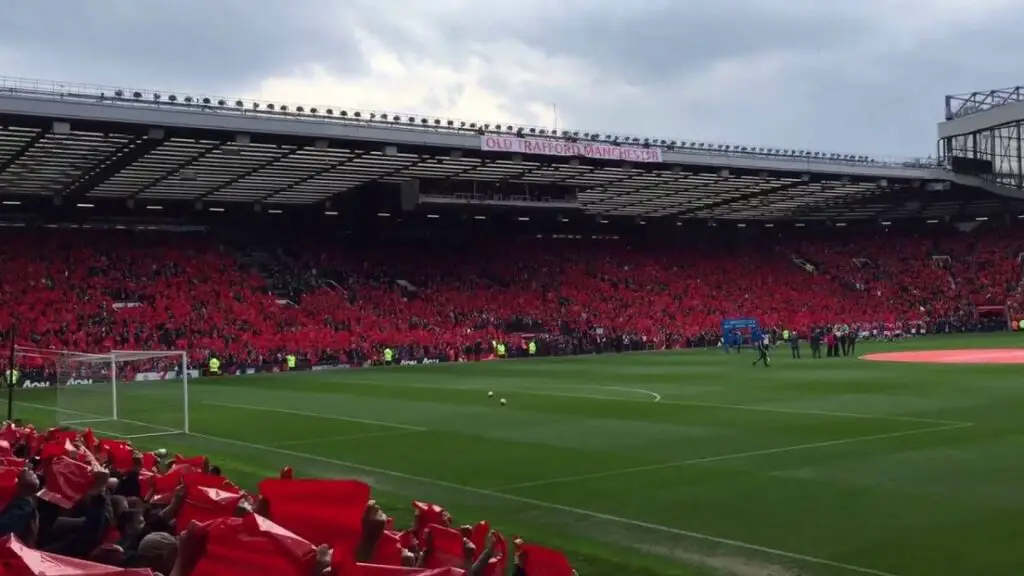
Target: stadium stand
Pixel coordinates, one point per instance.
(90, 505)
(102, 290)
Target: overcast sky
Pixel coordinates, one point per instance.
(859, 77)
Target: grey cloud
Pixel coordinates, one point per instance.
(184, 44)
(862, 77)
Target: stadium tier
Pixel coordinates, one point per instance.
(99, 291)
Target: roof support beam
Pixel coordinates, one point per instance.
(179, 167)
(261, 166)
(313, 175)
(129, 153)
(28, 145)
(752, 196)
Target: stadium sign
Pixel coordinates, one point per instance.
(594, 150)
(47, 384)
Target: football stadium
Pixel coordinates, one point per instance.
(247, 337)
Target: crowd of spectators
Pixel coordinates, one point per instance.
(70, 499)
(76, 504)
(97, 291)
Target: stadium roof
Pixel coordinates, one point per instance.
(95, 144)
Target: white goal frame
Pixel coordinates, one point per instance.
(111, 359)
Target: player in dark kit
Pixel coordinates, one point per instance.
(762, 351)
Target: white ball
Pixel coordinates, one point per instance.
(503, 402)
(490, 394)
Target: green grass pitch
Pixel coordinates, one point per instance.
(675, 463)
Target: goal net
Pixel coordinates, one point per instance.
(120, 393)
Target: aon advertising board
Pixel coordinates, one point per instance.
(33, 383)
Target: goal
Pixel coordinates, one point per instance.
(120, 393)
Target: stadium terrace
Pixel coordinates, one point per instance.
(246, 338)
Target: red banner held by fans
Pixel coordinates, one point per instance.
(16, 559)
(321, 511)
(596, 150)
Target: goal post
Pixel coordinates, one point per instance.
(125, 393)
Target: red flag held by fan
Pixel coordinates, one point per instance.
(67, 481)
(253, 545)
(204, 504)
(322, 511)
(447, 547)
(16, 559)
(376, 570)
(427, 514)
(541, 561)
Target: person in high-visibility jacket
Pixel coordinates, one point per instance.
(531, 348)
(290, 361)
(214, 366)
(389, 356)
(501, 349)
(11, 377)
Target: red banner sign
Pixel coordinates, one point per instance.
(595, 150)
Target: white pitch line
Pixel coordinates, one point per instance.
(655, 395)
(540, 503)
(673, 402)
(316, 415)
(349, 437)
(729, 457)
(553, 506)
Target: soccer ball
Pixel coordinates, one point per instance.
(490, 394)
(503, 402)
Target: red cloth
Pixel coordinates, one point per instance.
(253, 545)
(377, 570)
(119, 454)
(67, 482)
(12, 462)
(541, 561)
(322, 511)
(164, 485)
(16, 559)
(497, 564)
(427, 514)
(8, 485)
(196, 461)
(388, 550)
(448, 549)
(203, 504)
